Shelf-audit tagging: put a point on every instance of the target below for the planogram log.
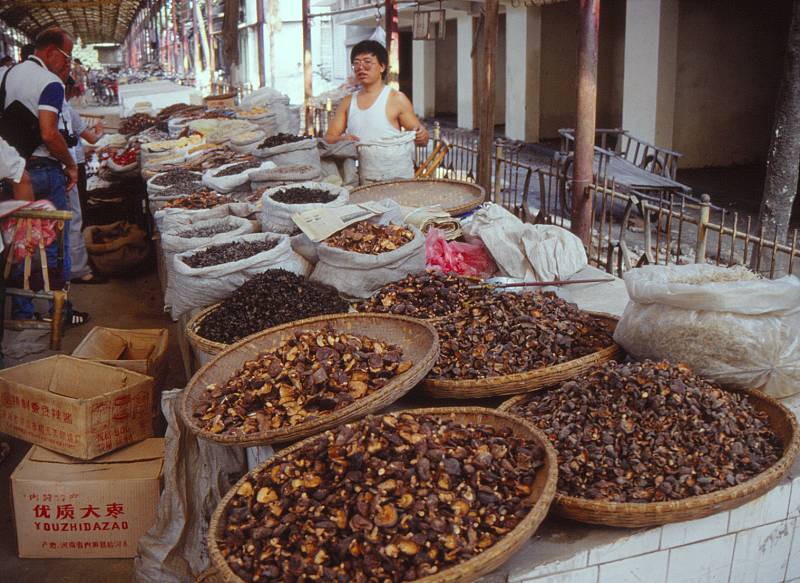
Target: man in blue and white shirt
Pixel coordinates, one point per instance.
(32, 122)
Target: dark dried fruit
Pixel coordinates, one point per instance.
(205, 232)
(178, 178)
(228, 252)
(269, 299)
(136, 123)
(309, 375)
(650, 432)
(303, 195)
(237, 169)
(203, 199)
(370, 239)
(281, 139)
(376, 520)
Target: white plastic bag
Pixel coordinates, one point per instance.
(276, 217)
(525, 251)
(389, 159)
(225, 184)
(299, 153)
(172, 243)
(202, 286)
(744, 332)
(360, 275)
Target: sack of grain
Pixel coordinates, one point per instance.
(725, 323)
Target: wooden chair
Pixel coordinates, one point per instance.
(25, 220)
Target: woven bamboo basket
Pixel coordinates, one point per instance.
(209, 576)
(454, 196)
(523, 382)
(543, 491)
(631, 515)
(204, 349)
(418, 340)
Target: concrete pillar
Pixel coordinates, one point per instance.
(465, 31)
(651, 52)
(523, 70)
(423, 79)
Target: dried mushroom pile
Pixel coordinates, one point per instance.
(507, 333)
(203, 199)
(208, 231)
(430, 294)
(228, 252)
(280, 140)
(309, 375)
(303, 195)
(370, 239)
(269, 299)
(136, 123)
(178, 178)
(237, 169)
(392, 498)
(650, 432)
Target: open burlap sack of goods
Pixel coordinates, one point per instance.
(247, 142)
(388, 159)
(198, 287)
(276, 217)
(282, 175)
(163, 216)
(197, 474)
(116, 249)
(302, 152)
(224, 179)
(339, 160)
(179, 239)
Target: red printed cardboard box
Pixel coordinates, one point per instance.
(67, 508)
(74, 406)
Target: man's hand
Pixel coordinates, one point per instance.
(350, 138)
(72, 176)
(421, 136)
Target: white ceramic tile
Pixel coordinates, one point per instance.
(631, 545)
(703, 562)
(762, 554)
(518, 574)
(650, 568)
(683, 533)
(771, 507)
(793, 570)
(580, 576)
(794, 500)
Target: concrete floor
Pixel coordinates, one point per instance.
(122, 303)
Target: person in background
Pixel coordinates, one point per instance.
(27, 50)
(81, 272)
(33, 123)
(377, 111)
(5, 65)
(79, 74)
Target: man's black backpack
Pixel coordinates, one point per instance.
(19, 126)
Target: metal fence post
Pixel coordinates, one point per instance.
(702, 229)
(498, 160)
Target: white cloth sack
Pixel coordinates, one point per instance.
(525, 251)
(227, 184)
(389, 159)
(299, 153)
(281, 176)
(203, 286)
(172, 244)
(743, 333)
(360, 275)
(276, 217)
(153, 188)
(165, 218)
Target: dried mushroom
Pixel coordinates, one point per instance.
(650, 432)
(228, 252)
(364, 237)
(312, 374)
(203, 199)
(392, 498)
(507, 333)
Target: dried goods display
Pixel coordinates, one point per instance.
(228, 252)
(391, 498)
(429, 294)
(176, 191)
(280, 140)
(209, 231)
(179, 178)
(238, 168)
(125, 157)
(136, 123)
(152, 134)
(311, 374)
(269, 299)
(650, 432)
(303, 195)
(203, 199)
(508, 333)
(370, 239)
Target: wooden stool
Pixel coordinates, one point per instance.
(25, 220)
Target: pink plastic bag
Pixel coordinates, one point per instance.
(471, 259)
(41, 230)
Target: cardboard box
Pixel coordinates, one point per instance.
(73, 406)
(143, 351)
(70, 509)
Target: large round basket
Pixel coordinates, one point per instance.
(418, 340)
(204, 349)
(209, 576)
(454, 196)
(630, 515)
(523, 382)
(542, 493)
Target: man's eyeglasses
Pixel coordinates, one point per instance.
(69, 57)
(366, 65)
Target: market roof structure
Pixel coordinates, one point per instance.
(94, 21)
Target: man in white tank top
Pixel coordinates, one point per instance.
(377, 111)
